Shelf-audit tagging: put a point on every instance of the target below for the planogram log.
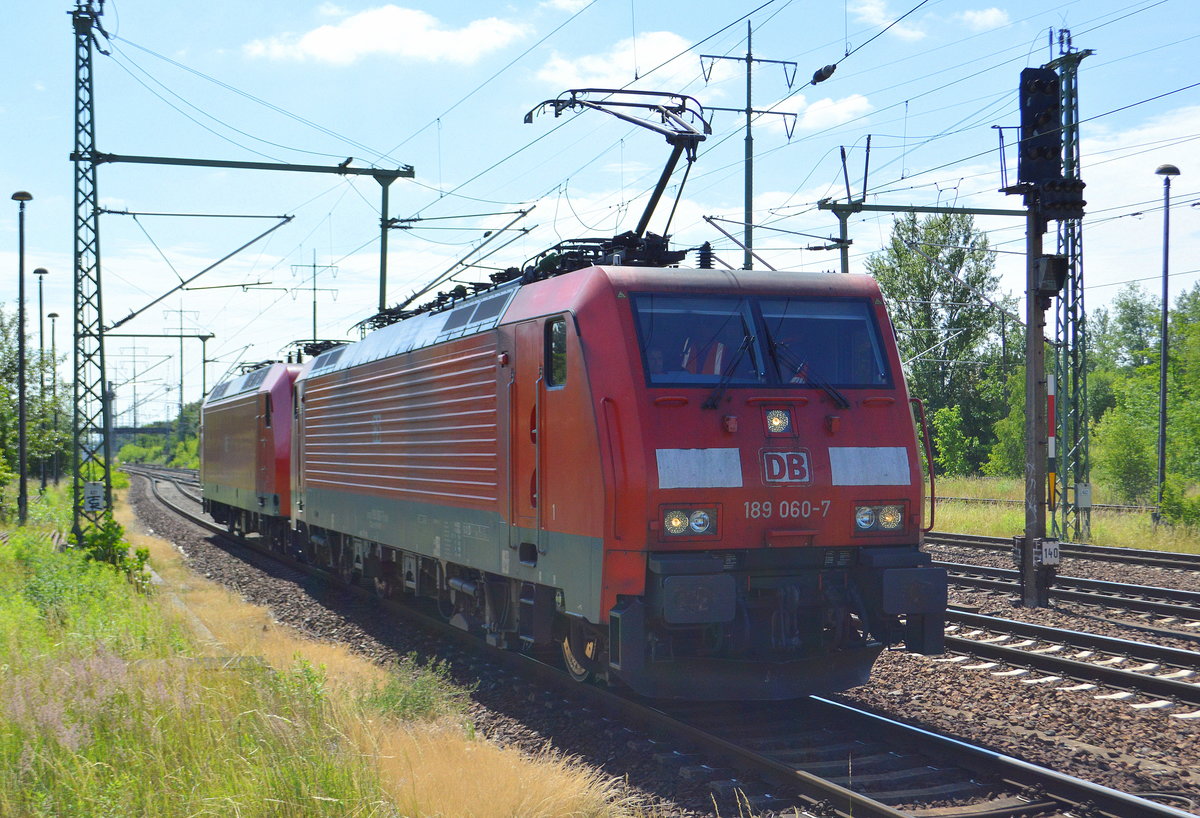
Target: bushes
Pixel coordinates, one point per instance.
(953, 445)
(1177, 507)
(1124, 456)
(107, 544)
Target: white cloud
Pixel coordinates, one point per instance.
(827, 113)
(566, 5)
(984, 19)
(875, 13)
(391, 31)
(819, 115)
(618, 66)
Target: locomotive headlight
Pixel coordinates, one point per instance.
(890, 517)
(676, 522)
(886, 519)
(701, 521)
(778, 421)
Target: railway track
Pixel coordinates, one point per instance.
(1164, 602)
(1165, 677)
(819, 756)
(1134, 556)
(999, 501)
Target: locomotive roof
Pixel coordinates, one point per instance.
(486, 310)
(761, 281)
(469, 316)
(257, 380)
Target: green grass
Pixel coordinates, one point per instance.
(1120, 529)
(105, 710)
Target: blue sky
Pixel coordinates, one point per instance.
(444, 87)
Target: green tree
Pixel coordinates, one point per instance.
(47, 422)
(952, 445)
(1127, 336)
(938, 278)
(1183, 388)
(1124, 455)
(1006, 458)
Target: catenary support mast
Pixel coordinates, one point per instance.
(1072, 517)
(90, 452)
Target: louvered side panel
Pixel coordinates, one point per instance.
(419, 427)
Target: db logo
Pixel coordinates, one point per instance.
(785, 467)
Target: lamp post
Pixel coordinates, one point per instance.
(21, 197)
(54, 391)
(41, 273)
(1166, 172)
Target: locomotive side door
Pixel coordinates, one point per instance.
(525, 446)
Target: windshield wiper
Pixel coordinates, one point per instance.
(715, 396)
(793, 362)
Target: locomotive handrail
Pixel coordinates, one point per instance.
(610, 421)
(928, 459)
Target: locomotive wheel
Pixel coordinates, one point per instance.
(578, 670)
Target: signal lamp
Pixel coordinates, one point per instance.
(778, 421)
(890, 517)
(676, 522)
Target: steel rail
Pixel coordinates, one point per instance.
(1104, 553)
(1084, 796)
(1142, 651)
(1121, 679)
(1158, 601)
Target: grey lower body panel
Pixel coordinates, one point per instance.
(245, 499)
(470, 537)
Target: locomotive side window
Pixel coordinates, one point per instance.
(267, 412)
(556, 352)
(698, 340)
(815, 341)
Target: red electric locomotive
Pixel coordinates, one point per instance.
(704, 484)
(245, 451)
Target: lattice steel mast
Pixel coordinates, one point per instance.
(1071, 518)
(91, 452)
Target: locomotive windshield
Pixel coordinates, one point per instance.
(803, 342)
(698, 339)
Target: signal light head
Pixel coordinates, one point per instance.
(676, 522)
(778, 421)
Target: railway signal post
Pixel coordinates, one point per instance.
(1048, 196)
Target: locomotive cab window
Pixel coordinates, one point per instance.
(267, 411)
(730, 340)
(556, 352)
(825, 341)
(697, 340)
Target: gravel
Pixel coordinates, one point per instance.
(1105, 741)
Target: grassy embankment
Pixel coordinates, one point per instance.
(1115, 528)
(115, 703)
